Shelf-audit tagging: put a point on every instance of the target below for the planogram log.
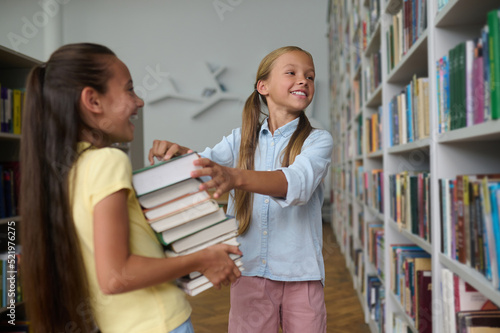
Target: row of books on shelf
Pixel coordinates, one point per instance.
(470, 224)
(11, 105)
(375, 300)
(184, 218)
(410, 204)
(464, 309)
(372, 74)
(357, 134)
(369, 135)
(373, 125)
(409, 113)
(357, 46)
(370, 186)
(375, 246)
(468, 92)
(370, 21)
(9, 189)
(355, 98)
(359, 269)
(410, 282)
(407, 26)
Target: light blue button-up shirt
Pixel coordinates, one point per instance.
(284, 240)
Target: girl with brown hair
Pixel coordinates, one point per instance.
(90, 260)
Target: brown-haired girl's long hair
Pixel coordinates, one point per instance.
(251, 124)
(55, 282)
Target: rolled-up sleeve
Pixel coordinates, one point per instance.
(305, 174)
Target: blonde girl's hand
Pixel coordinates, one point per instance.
(165, 150)
(223, 178)
(218, 267)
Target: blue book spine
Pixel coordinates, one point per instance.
(446, 237)
(409, 113)
(446, 91)
(439, 96)
(494, 189)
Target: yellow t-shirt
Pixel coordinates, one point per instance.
(99, 173)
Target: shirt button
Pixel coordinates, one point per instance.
(272, 143)
(266, 201)
(264, 261)
(264, 233)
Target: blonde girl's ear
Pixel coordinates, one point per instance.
(89, 100)
(262, 88)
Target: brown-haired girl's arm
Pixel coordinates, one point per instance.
(164, 150)
(118, 270)
(224, 179)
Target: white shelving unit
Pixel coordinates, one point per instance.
(470, 150)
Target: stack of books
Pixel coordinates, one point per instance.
(184, 218)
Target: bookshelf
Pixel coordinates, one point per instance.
(14, 68)
(435, 155)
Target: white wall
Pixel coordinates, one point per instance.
(31, 27)
(178, 37)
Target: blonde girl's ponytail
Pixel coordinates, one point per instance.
(251, 124)
(249, 139)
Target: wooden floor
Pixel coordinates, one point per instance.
(211, 308)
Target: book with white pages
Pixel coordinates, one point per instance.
(169, 193)
(175, 206)
(197, 290)
(166, 173)
(202, 236)
(170, 235)
(191, 214)
(229, 238)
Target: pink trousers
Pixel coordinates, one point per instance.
(260, 305)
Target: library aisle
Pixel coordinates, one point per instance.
(415, 107)
(211, 308)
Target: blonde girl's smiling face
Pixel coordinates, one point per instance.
(119, 104)
(290, 85)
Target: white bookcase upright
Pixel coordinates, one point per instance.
(469, 150)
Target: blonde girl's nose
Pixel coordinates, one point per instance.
(140, 101)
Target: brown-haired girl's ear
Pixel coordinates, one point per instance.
(262, 88)
(89, 99)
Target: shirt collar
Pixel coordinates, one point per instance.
(285, 130)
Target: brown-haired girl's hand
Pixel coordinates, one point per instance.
(165, 150)
(224, 179)
(218, 267)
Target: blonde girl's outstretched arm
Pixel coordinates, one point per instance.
(119, 271)
(224, 179)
